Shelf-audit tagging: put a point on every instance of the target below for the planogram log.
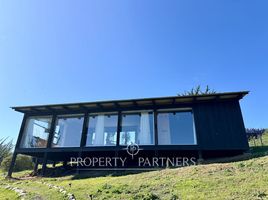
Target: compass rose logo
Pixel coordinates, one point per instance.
(133, 149)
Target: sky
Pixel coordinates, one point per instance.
(80, 51)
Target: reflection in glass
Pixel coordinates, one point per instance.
(102, 130)
(68, 131)
(176, 128)
(36, 132)
(137, 128)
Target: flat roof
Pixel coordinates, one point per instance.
(111, 104)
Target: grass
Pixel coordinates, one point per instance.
(245, 180)
(7, 194)
(241, 180)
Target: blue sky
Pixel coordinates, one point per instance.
(73, 51)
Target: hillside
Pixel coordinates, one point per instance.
(237, 180)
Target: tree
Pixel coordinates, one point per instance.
(254, 133)
(197, 91)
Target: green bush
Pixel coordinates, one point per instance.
(5, 148)
(22, 163)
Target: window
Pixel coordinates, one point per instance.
(176, 128)
(36, 131)
(102, 130)
(68, 131)
(137, 128)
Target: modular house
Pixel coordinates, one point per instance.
(208, 125)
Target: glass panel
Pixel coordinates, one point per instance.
(176, 128)
(68, 131)
(102, 130)
(137, 128)
(36, 132)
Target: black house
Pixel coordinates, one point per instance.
(203, 125)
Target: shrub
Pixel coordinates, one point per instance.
(174, 197)
(151, 196)
(5, 149)
(197, 91)
(22, 163)
(145, 196)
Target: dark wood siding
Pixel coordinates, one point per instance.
(220, 126)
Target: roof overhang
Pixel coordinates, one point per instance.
(128, 103)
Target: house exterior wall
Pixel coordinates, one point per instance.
(220, 126)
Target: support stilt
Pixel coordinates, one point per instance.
(36, 166)
(44, 165)
(12, 164)
(200, 157)
(65, 164)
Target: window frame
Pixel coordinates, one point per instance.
(87, 127)
(177, 110)
(70, 115)
(25, 127)
(138, 112)
(86, 114)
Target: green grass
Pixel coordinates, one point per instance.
(245, 180)
(238, 180)
(7, 194)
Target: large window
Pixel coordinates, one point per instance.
(36, 131)
(68, 131)
(137, 128)
(176, 128)
(102, 130)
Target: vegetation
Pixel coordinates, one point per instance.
(7, 195)
(198, 91)
(245, 180)
(5, 149)
(22, 163)
(254, 134)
